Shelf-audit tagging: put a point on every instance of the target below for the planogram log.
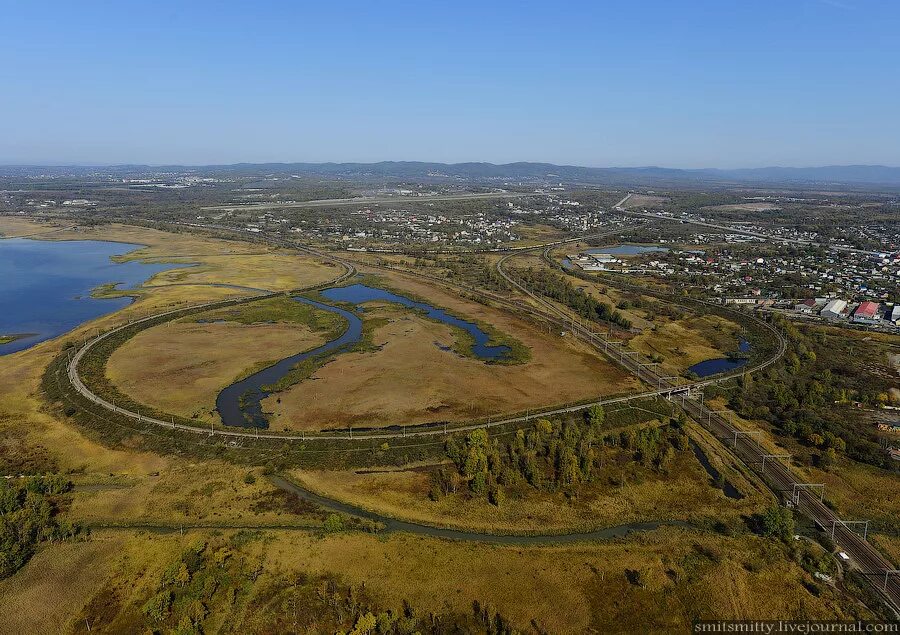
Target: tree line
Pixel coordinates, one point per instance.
(549, 456)
(28, 517)
(557, 287)
(811, 392)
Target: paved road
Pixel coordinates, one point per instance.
(747, 232)
(367, 200)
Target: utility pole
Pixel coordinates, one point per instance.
(786, 457)
(847, 523)
(749, 433)
(798, 487)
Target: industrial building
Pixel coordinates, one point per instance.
(866, 313)
(834, 310)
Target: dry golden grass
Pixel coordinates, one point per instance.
(536, 235)
(889, 545)
(564, 589)
(411, 380)
(686, 342)
(861, 491)
(273, 272)
(683, 493)
(55, 585)
(569, 589)
(204, 357)
(18, 226)
(208, 492)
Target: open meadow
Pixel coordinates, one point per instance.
(655, 582)
(209, 351)
(410, 378)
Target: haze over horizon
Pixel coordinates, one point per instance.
(650, 84)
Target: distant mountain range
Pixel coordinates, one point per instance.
(860, 175)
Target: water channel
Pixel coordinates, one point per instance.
(240, 404)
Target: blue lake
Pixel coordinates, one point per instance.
(721, 364)
(625, 250)
(45, 285)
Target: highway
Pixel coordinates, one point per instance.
(747, 232)
(366, 200)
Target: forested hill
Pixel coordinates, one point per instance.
(867, 175)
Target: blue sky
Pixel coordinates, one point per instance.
(714, 83)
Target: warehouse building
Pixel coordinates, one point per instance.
(866, 313)
(835, 310)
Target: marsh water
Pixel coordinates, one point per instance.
(45, 285)
(240, 404)
(360, 294)
(625, 250)
(721, 364)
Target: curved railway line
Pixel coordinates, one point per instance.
(553, 316)
(779, 476)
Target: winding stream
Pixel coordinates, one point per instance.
(240, 404)
(359, 294)
(392, 524)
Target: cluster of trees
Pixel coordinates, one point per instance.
(28, 516)
(551, 456)
(215, 578)
(559, 288)
(473, 270)
(776, 522)
(809, 395)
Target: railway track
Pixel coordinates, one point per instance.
(778, 475)
(393, 432)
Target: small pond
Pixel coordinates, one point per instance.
(718, 365)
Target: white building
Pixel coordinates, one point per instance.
(834, 310)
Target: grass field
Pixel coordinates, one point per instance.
(411, 379)
(536, 235)
(623, 492)
(656, 582)
(889, 545)
(207, 357)
(55, 585)
(644, 200)
(683, 343)
(214, 492)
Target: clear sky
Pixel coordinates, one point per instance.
(680, 83)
